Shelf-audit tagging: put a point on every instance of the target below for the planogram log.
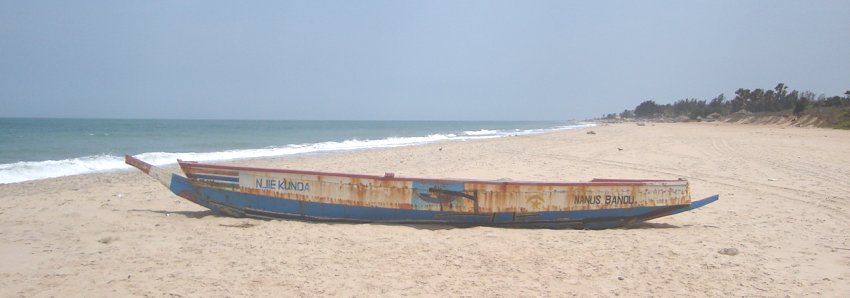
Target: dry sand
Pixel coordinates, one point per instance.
(783, 191)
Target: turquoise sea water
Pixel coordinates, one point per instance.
(42, 148)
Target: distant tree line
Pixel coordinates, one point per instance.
(778, 100)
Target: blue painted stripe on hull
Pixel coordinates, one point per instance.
(180, 184)
(703, 202)
(219, 184)
(260, 206)
(219, 178)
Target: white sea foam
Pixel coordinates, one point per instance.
(483, 132)
(34, 170)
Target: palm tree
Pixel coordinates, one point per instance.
(781, 92)
(740, 100)
(847, 98)
(781, 89)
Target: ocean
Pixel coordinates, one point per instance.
(32, 149)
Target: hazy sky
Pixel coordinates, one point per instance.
(406, 60)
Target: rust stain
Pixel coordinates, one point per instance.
(389, 192)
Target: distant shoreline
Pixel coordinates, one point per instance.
(736, 118)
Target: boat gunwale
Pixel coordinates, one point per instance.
(594, 182)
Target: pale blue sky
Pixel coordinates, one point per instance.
(406, 60)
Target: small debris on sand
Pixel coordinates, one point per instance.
(107, 240)
(731, 251)
(242, 225)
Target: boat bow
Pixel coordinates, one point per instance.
(177, 184)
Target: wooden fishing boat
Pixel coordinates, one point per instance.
(320, 196)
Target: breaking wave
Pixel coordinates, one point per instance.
(34, 170)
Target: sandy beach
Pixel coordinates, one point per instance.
(783, 202)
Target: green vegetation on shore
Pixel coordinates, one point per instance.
(834, 111)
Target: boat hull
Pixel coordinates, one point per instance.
(238, 204)
(322, 196)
